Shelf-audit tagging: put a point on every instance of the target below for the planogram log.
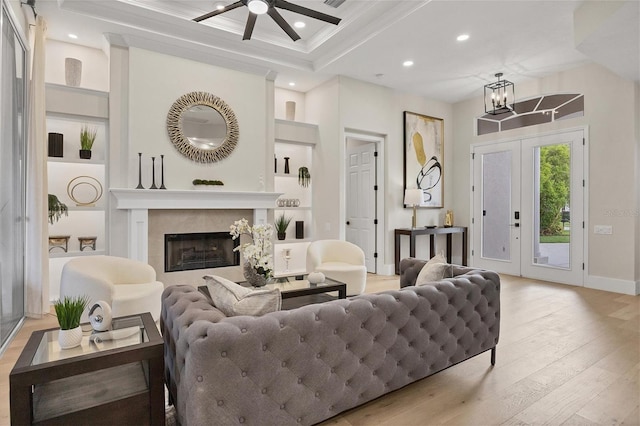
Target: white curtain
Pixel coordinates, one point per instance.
(37, 255)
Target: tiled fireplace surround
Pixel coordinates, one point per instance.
(154, 213)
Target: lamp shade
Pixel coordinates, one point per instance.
(413, 197)
(258, 6)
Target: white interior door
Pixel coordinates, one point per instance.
(496, 207)
(361, 203)
(528, 207)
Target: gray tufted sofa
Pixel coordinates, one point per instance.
(311, 363)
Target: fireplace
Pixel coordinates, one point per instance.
(184, 252)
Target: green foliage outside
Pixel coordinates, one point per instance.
(562, 238)
(554, 187)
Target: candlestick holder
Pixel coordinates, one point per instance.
(139, 172)
(162, 172)
(153, 173)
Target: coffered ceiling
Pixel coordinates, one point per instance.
(522, 39)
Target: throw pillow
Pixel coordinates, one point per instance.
(435, 269)
(233, 299)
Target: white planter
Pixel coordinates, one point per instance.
(70, 338)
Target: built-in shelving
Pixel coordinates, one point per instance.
(296, 141)
(68, 109)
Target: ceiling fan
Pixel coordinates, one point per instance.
(259, 7)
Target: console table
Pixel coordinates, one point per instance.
(432, 232)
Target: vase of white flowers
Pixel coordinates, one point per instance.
(257, 254)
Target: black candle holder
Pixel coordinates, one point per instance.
(162, 172)
(139, 172)
(153, 173)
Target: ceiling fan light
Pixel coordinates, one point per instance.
(259, 7)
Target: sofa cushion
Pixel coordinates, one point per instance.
(234, 299)
(435, 269)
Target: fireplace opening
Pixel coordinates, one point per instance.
(185, 252)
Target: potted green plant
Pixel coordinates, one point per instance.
(207, 184)
(281, 225)
(304, 177)
(56, 209)
(87, 138)
(69, 311)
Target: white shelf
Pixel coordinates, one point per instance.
(293, 208)
(58, 254)
(99, 162)
(293, 240)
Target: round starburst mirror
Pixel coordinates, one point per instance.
(202, 127)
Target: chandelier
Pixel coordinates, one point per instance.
(499, 97)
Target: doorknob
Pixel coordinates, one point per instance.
(348, 223)
(517, 225)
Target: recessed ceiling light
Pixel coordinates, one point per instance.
(73, 36)
(299, 24)
(220, 6)
(407, 63)
(463, 37)
(291, 83)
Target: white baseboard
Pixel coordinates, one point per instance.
(613, 284)
(387, 270)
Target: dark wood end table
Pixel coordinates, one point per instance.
(110, 382)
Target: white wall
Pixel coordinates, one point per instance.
(156, 81)
(322, 109)
(611, 115)
(95, 65)
(348, 104)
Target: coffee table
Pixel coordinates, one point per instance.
(299, 291)
(109, 382)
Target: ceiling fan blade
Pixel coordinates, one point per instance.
(248, 29)
(218, 12)
(275, 15)
(283, 4)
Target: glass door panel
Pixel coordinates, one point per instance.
(552, 174)
(496, 205)
(552, 205)
(12, 187)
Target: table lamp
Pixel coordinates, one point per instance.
(413, 197)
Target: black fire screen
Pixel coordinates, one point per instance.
(184, 252)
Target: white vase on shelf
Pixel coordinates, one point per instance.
(290, 107)
(72, 71)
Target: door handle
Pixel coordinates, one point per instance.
(517, 225)
(348, 223)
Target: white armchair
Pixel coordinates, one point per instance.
(340, 260)
(129, 286)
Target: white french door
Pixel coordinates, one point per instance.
(528, 207)
(496, 193)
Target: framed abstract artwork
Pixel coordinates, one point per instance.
(424, 157)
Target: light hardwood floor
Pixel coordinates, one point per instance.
(566, 356)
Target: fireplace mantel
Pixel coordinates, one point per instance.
(192, 199)
(138, 202)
